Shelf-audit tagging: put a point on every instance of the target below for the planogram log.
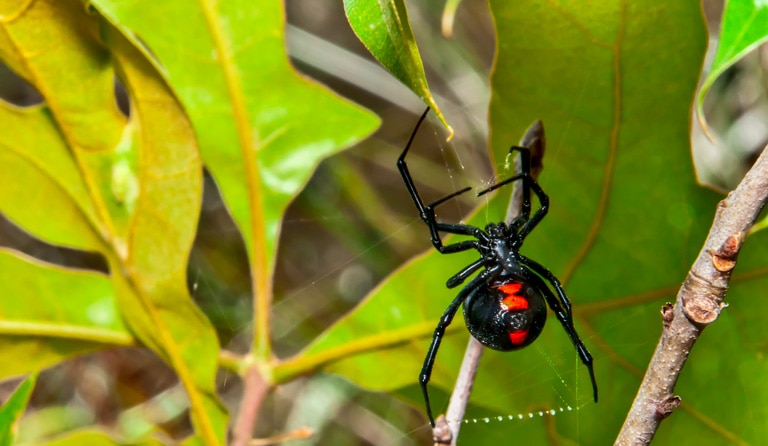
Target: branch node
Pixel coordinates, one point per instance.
(441, 433)
(667, 315)
(702, 300)
(724, 258)
(668, 406)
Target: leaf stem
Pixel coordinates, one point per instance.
(70, 332)
(303, 364)
(231, 361)
(250, 143)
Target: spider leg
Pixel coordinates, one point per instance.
(427, 212)
(459, 278)
(540, 213)
(543, 200)
(458, 229)
(437, 337)
(502, 183)
(562, 310)
(435, 227)
(547, 274)
(525, 170)
(403, 168)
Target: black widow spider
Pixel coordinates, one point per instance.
(504, 305)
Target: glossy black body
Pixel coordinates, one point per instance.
(490, 322)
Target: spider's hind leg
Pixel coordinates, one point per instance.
(561, 306)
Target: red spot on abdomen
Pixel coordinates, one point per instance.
(512, 300)
(518, 336)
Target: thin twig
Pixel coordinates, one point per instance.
(255, 388)
(698, 304)
(447, 427)
(446, 430)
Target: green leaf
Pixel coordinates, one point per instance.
(383, 27)
(80, 96)
(157, 240)
(256, 120)
(614, 86)
(13, 408)
(744, 26)
(54, 312)
(96, 438)
(47, 198)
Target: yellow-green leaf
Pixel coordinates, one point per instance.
(142, 182)
(161, 231)
(53, 312)
(262, 128)
(44, 192)
(94, 437)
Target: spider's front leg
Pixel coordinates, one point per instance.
(529, 183)
(435, 227)
(459, 278)
(525, 169)
(427, 212)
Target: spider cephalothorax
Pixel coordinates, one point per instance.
(505, 304)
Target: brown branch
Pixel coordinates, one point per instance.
(255, 388)
(446, 430)
(699, 302)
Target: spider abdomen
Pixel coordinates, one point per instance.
(506, 315)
